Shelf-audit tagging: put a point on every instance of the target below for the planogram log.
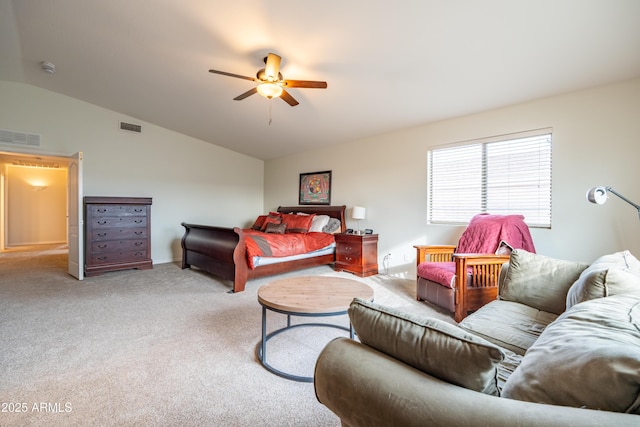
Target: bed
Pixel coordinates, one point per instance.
(222, 251)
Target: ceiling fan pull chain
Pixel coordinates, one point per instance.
(269, 111)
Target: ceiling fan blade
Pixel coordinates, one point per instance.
(305, 83)
(288, 98)
(224, 73)
(246, 94)
(272, 66)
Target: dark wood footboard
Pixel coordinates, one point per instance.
(217, 250)
(222, 251)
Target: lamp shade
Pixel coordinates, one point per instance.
(358, 212)
(269, 90)
(597, 195)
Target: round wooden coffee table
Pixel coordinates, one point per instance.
(308, 296)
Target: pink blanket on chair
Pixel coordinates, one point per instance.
(486, 234)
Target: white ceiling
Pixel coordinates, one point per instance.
(389, 65)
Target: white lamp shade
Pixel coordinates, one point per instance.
(358, 212)
(597, 195)
(269, 90)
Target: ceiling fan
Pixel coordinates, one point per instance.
(271, 83)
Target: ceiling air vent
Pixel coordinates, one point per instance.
(130, 127)
(19, 138)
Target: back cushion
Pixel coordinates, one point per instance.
(430, 345)
(589, 357)
(608, 275)
(539, 281)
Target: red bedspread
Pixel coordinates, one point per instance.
(279, 245)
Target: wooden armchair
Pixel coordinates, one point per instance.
(471, 290)
(463, 278)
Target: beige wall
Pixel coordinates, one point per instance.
(188, 179)
(596, 141)
(36, 205)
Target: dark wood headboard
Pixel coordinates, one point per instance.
(337, 212)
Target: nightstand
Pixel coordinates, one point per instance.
(357, 254)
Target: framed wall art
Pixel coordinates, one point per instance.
(315, 188)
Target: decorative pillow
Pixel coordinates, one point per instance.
(539, 281)
(276, 228)
(257, 225)
(297, 223)
(589, 357)
(608, 275)
(318, 223)
(272, 218)
(333, 226)
(430, 345)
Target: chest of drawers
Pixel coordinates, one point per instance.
(117, 234)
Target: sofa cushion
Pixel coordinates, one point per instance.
(430, 345)
(589, 357)
(608, 275)
(539, 281)
(510, 325)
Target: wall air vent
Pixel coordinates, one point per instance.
(15, 137)
(130, 127)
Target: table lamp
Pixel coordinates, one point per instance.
(358, 213)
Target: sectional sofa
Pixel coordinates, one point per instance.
(560, 346)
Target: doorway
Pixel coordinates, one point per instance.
(40, 208)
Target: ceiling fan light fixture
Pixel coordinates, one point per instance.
(269, 90)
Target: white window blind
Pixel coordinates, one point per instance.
(503, 175)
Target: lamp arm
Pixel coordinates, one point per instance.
(635, 205)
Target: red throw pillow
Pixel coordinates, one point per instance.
(271, 219)
(297, 223)
(257, 225)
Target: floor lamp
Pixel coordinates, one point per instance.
(598, 195)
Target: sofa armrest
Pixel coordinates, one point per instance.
(434, 253)
(365, 387)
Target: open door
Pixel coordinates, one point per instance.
(75, 217)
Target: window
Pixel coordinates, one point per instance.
(510, 174)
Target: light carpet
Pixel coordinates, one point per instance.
(161, 347)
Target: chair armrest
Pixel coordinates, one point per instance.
(434, 253)
(477, 278)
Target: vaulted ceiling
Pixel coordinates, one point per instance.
(389, 65)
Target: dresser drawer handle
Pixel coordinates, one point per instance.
(102, 246)
(348, 248)
(103, 210)
(102, 234)
(139, 243)
(139, 233)
(102, 222)
(138, 221)
(348, 258)
(138, 210)
(102, 258)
